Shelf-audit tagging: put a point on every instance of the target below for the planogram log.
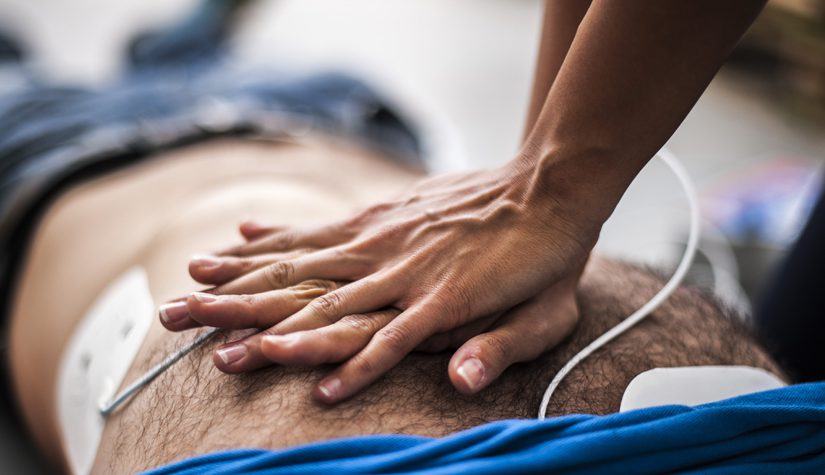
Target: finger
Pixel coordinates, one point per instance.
(255, 310)
(328, 264)
(327, 344)
(216, 270)
(383, 352)
(355, 298)
(455, 338)
(174, 316)
(248, 354)
(366, 295)
(253, 230)
(523, 334)
(241, 355)
(289, 239)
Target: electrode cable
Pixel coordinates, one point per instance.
(687, 258)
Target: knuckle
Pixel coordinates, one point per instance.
(394, 339)
(363, 365)
(279, 275)
(458, 304)
(327, 305)
(322, 285)
(360, 323)
(497, 346)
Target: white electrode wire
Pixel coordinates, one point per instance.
(687, 258)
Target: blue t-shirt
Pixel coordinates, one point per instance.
(778, 431)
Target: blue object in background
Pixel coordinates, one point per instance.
(778, 431)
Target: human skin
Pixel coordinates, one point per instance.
(155, 214)
(560, 22)
(470, 259)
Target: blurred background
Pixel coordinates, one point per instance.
(461, 69)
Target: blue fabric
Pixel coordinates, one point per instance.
(779, 431)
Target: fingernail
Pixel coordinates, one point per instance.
(203, 297)
(173, 312)
(231, 354)
(472, 372)
(206, 261)
(330, 388)
(282, 340)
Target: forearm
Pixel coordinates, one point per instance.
(633, 72)
(561, 19)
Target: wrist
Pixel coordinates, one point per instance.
(583, 183)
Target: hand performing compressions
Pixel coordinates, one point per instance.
(486, 262)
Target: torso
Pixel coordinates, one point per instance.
(156, 215)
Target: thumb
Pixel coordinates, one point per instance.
(523, 334)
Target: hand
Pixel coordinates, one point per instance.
(488, 261)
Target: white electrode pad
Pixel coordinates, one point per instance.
(96, 360)
(694, 385)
